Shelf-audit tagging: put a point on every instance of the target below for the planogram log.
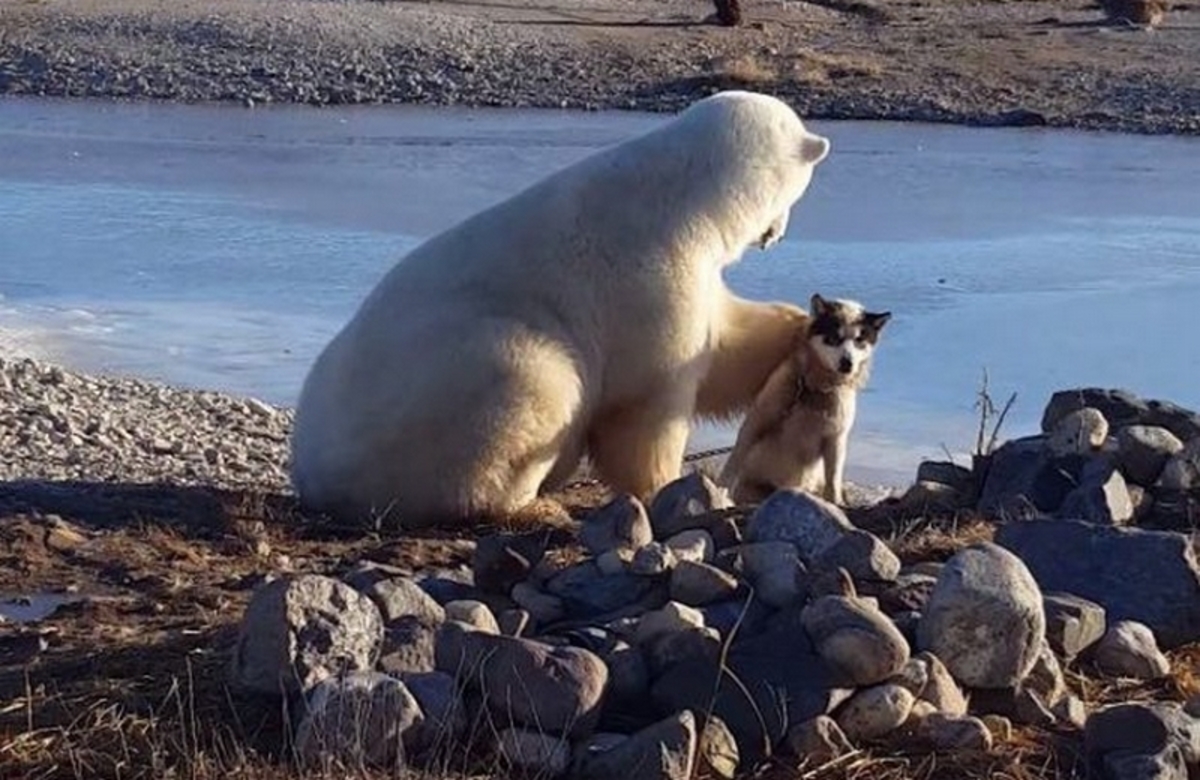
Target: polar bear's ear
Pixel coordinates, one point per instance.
(814, 148)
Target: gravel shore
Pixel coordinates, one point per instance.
(1041, 62)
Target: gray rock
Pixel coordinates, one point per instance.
(298, 631)
(1128, 649)
(542, 607)
(514, 622)
(652, 560)
(1122, 408)
(1073, 624)
(863, 555)
(361, 718)
(941, 690)
(665, 750)
(670, 649)
(1080, 432)
(586, 591)
(693, 544)
(1183, 729)
(445, 718)
(717, 754)
(740, 617)
(925, 498)
(949, 732)
(399, 598)
(408, 646)
(773, 568)
(808, 523)
(1022, 478)
(1071, 710)
(503, 560)
(698, 584)
(818, 741)
(672, 618)
(910, 593)
(620, 524)
(1182, 470)
(1151, 577)
(473, 613)
(946, 473)
(1102, 496)
(1143, 450)
(527, 683)
(914, 676)
(1125, 728)
(541, 754)
(984, 619)
(1165, 765)
(685, 504)
(874, 712)
(628, 675)
(768, 682)
(446, 585)
(858, 642)
(1046, 677)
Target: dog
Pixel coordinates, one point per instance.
(795, 433)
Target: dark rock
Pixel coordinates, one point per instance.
(698, 584)
(685, 504)
(586, 591)
(1148, 576)
(1023, 478)
(663, 751)
(1143, 450)
(1122, 408)
(1101, 497)
(503, 560)
(863, 555)
(621, 523)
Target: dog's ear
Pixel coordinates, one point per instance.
(874, 321)
(819, 305)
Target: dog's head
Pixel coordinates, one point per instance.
(843, 337)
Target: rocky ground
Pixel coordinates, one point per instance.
(172, 613)
(1051, 62)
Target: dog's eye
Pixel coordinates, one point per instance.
(832, 340)
(861, 341)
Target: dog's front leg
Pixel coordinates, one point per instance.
(833, 453)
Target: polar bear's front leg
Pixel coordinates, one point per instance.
(638, 449)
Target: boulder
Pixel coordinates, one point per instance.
(1151, 577)
(1128, 649)
(408, 646)
(698, 584)
(620, 524)
(686, 503)
(1080, 432)
(858, 642)
(818, 741)
(1101, 497)
(540, 754)
(1143, 450)
(1073, 624)
(810, 524)
(300, 630)
(874, 712)
(361, 718)
(586, 591)
(863, 555)
(984, 619)
(503, 560)
(665, 750)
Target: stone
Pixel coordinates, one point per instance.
(874, 712)
(859, 643)
(1182, 470)
(1151, 577)
(948, 732)
(620, 524)
(399, 598)
(672, 618)
(297, 631)
(961, 478)
(628, 674)
(543, 608)
(503, 560)
(818, 741)
(739, 617)
(652, 560)
(543, 754)
(697, 584)
(1183, 729)
(932, 498)
(473, 613)
(1125, 728)
(1046, 677)
(527, 683)
(1071, 710)
(1073, 624)
(665, 750)
(1120, 408)
(914, 676)
(694, 544)
(445, 716)
(514, 622)
(1102, 496)
(1023, 478)
(810, 524)
(587, 592)
(685, 503)
(767, 682)
(984, 619)
(863, 555)
(1143, 451)
(1167, 764)
(1128, 649)
(670, 649)
(615, 561)
(940, 689)
(361, 718)
(717, 753)
(446, 585)
(1080, 432)
(408, 646)
(773, 569)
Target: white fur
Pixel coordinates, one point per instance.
(581, 316)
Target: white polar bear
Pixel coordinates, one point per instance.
(585, 315)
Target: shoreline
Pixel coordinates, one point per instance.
(1044, 63)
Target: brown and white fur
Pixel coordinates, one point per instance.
(795, 434)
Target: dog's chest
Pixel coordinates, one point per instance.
(830, 411)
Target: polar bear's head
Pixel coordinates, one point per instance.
(759, 159)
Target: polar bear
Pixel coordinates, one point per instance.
(584, 316)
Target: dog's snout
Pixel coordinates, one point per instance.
(845, 366)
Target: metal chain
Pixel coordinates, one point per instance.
(691, 457)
